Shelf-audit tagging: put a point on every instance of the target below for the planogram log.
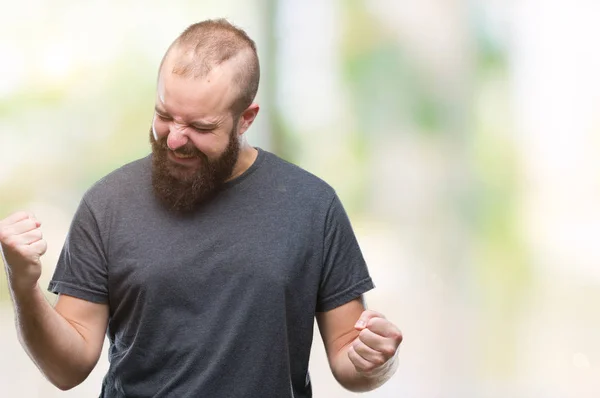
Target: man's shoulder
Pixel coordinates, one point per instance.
(290, 171)
(297, 178)
(125, 179)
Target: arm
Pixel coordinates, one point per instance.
(65, 341)
(361, 357)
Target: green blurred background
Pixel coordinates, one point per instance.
(462, 137)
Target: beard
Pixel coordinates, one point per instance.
(182, 189)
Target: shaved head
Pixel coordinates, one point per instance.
(213, 43)
(204, 103)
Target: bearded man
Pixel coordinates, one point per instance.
(205, 262)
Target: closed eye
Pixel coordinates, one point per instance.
(202, 129)
(163, 117)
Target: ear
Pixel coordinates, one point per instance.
(247, 118)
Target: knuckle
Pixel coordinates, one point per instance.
(379, 360)
(10, 241)
(397, 336)
(360, 365)
(351, 354)
(389, 351)
(369, 367)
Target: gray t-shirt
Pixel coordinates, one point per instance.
(219, 303)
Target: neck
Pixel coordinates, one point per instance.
(246, 158)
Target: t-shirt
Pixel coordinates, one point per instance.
(218, 303)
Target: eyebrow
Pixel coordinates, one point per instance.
(200, 124)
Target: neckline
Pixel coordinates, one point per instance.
(257, 162)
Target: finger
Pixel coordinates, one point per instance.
(31, 236)
(369, 354)
(12, 235)
(365, 317)
(39, 247)
(359, 362)
(384, 345)
(25, 239)
(385, 328)
(15, 217)
(20, 227)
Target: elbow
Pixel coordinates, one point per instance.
(67, 378)
(68, 382)
(66, 385)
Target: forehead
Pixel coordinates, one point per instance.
(186, 97)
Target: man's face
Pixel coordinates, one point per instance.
(196, 145)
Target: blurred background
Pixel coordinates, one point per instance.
(462, 136)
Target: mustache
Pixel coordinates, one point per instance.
(186, 150)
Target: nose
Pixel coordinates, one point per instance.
(177, 136)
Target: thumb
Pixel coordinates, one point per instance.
(365, 317)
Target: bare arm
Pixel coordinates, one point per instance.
(360, 359)
(65, 341)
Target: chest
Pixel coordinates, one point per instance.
(193, 261)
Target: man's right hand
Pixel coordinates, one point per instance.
(64, 341)
(22, 246)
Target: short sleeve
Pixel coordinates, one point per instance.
(81, 270)
(344, 275)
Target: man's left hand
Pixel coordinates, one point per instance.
(376, 345)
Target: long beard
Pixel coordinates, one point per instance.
(182, 190)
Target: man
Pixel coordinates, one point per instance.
(206, 262)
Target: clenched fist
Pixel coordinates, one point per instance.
(22, 246)
(376, 344)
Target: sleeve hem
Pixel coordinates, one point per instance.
(58, 287)
(345, 296)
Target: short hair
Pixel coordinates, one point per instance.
(212, 42)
